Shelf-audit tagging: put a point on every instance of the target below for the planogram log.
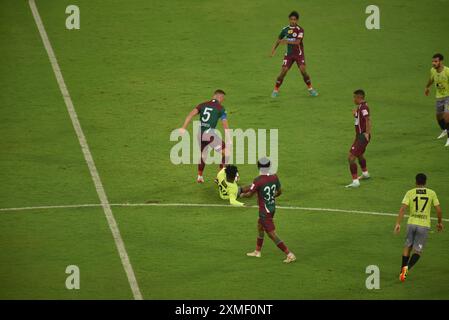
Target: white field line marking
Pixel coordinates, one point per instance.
(87, 156)
(210, 205)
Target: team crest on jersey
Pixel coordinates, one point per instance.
(295, 34)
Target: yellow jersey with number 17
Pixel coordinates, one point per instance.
(228, 190)
(420, 202)
(441, 80)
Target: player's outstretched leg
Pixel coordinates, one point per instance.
(280, 244)
(446, 120)
(442, 123)
(362, 163)
(259, 243)
(202, 164)
(307, 81)
(279, 81)
(405, 264)
(353, 169)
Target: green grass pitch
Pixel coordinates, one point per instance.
(135, 69)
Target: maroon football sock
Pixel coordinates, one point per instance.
(307, 80)
(362, 163)
(259, 244)
(353, 169)
(283, 247)
(278, 83)
(201, 167)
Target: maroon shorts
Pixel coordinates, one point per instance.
(212, 141)
(267, 224)
(289, 60)
(359, 146)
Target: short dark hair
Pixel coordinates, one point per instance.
(231, 172)
(294, 14)
(263, 163)
(439, 56)
(219, 91)
(360, 92)
(421, 179)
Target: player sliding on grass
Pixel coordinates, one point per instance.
(292, 36)
(268, 188)
(227, 185)
(210, 112)
(362, 138)
(420, 201)
(439, 74)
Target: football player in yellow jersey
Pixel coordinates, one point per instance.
(419, 200)
(227, 184)
(439, 74)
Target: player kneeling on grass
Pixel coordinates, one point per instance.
(268, 188)
(227, 184)
(419, 200)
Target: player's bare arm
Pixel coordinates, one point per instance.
(427, 89)
(228, 138)
(248, 193)
(189, 117)
(276, 44)
(440, 226)
(397, 227)
(278, 193)
(368, 128)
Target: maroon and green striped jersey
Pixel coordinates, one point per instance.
(266, 187)
(293, 33)
(210, 112)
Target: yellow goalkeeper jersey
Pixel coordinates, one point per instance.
(420, 201)
(228, 190)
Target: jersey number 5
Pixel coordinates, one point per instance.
(206, 114)
(416, 200)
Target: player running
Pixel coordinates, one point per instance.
(439, 74)
(362, 138)
(210, 112)
(227, 185)
(292, 36)
(268, 188)
(420, 201)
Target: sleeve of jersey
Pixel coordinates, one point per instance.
(233, 199)
(278, 184)
(436, 202)
(365, 113)
(224, 115)
(253, 187)
(282, 34)
(406, 200)
(198, 107)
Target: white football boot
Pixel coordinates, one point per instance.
(200, 179)
(443, 134)
(365, 175)
(290, 258)
(355, 184)
(255, 253)
(447, 143)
